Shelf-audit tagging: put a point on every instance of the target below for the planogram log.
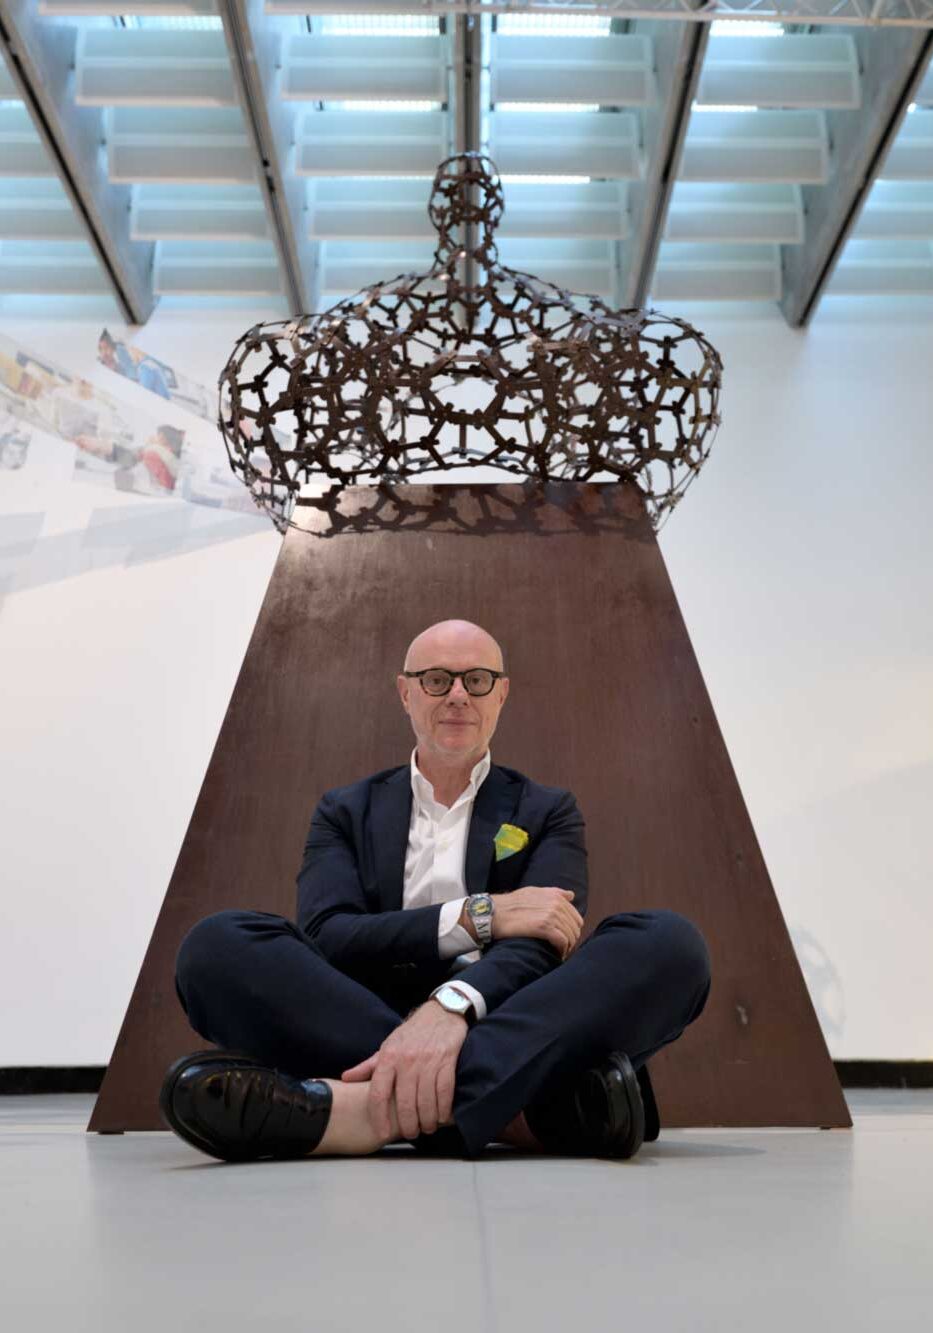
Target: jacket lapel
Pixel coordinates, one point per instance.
(390, 818)
(494, 805)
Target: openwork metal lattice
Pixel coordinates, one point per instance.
(469, 364)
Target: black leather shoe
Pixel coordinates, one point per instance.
(240, 1110)
(596, 1114)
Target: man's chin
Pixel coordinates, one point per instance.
(456, 738)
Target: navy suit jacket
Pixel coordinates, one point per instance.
(352, 877)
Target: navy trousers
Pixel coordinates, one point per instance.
(254, 982)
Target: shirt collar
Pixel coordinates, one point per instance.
(424, 791)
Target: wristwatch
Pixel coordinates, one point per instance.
(454, 1001)
(479, 908)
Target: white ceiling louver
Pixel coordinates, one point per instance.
(364, 68)
(717, 273)
(358, 209)
(22, 152)
(117, 8)
(897, 210)
(776, 146)
(61, 268)
(347, 267)
(226, 270)
(197, 212)
(879, 268)
(359, 143)
(177, 144)
(583, 266)
(578, 143)
(37, 210)
(152, 67)
(911, 155)
(757, 214)
(793, 71)
(361, 209)
(613, 71)
(576, 209)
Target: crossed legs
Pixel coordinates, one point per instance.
(255, 983)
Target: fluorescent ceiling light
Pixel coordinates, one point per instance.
(186, 23)
(547, 106)
(382, 106)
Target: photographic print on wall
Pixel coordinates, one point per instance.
(159, 378)
(115, 445)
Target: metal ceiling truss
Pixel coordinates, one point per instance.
(40, 59)
(873, 13)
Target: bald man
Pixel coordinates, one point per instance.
(433, 987)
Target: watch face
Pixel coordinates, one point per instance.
(453, 999)
(482, 908)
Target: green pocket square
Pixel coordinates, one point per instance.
(509, 840)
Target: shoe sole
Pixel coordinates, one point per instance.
(167, 1094)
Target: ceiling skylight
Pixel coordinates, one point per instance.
(553, 25)
(745, 28)
(373, 25)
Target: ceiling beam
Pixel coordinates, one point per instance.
(893, 64)
(40, 57)
(679, 50)
(253, 43)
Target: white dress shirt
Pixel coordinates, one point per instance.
(435, 865)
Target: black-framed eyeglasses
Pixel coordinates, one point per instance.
(438, 680)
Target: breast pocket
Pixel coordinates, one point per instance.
(507, 873)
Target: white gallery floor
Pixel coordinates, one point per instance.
(763, 1231)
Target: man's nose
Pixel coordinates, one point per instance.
(458, 691)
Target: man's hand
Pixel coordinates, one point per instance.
(417, 1062)
(544, 913)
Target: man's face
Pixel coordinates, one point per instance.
(456, 726)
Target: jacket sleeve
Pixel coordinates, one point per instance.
(332, 905)
(558, 859)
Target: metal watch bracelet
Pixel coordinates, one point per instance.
(479, 908)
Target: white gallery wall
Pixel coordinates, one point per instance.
(803, 561)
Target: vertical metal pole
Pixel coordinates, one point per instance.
(468, 62)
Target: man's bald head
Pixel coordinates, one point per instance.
(458, 637)
(453, 729)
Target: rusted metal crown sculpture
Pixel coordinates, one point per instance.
(468, 364)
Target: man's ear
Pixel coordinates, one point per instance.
(403, 688)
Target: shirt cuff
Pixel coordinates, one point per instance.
(453, 939)
(479, 1004)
